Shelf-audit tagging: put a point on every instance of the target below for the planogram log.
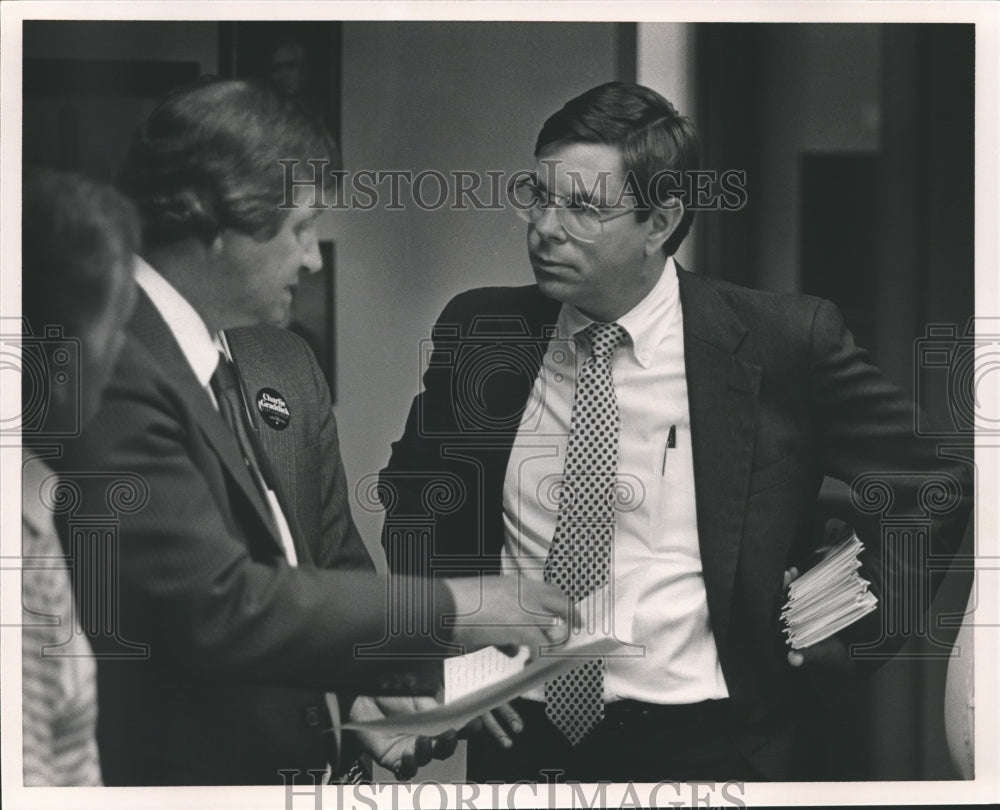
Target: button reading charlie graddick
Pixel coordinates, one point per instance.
(273, 408)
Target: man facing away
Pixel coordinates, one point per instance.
(78, 239)
(241, 594)
(653, 441)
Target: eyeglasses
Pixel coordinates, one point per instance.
(581, 220)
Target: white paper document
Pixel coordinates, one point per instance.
(466, 674)
(470, 704)
(828, 597)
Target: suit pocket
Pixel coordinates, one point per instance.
(773, 474)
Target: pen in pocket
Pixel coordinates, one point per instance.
(670, 445)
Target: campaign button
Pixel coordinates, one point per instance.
(273, 408)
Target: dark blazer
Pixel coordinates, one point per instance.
(779, 397)
(241, 646)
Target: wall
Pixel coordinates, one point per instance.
(109, 39)
(822, 94)
(665, 61)
(90, 131)
(441, 96)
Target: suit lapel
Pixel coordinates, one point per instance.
(723, 388)
(148, 326)
(507, 405)
(275, 449)
(531, 343)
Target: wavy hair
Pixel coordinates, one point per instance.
(207, 160)
(652, 136)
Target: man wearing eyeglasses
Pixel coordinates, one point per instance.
(654, 442)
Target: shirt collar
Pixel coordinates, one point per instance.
(647, 323)
(186, 325)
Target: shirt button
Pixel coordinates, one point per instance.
(312, 716)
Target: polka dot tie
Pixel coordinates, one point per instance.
(579, 559)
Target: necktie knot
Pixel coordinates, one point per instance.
(604, 338)
(224, 377)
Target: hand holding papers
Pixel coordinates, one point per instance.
(403, 754)
(548, 665)
(510, 611)
(828, 597)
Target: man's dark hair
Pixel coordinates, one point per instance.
(75, 233)
(651, 134)
(207, 159)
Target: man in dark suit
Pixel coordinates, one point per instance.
(705, 414)
(238, 575)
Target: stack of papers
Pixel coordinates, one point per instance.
(828, 597)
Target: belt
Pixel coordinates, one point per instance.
(628, 716)
(633, 716)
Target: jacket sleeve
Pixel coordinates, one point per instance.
(436, 488)
(188, 583)
(912, 500)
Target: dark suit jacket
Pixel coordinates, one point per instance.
(779, 397)
(241, 646)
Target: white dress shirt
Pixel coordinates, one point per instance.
(202, 354)
(657, 592)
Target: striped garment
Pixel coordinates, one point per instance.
(58, 670)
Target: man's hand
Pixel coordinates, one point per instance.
(502, 724)
(403, 754)
(509, 611)
(791, 575)
(830, 654)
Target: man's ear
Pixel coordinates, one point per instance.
(664, 221)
